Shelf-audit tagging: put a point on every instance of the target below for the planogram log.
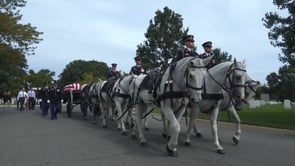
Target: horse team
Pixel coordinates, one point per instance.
(185, 84)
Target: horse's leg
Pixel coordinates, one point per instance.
(145, 121)
(194, 110)
(165, 126)
(213, 120)
(141, 108)
(175, 129)
(104, 112)
(119, 107)
(233, 113)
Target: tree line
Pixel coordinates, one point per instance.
(162, 41)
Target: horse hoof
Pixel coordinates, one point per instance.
(127, 123)
(187, 143)
(104, 126)
(164, 135)
(235, 140)
(124, 133)
(168, 137)
(220, 151)
(199, 135)
(147, 129)
(171, 153)
(133, 136)
(119, 129)
(94, 122)
(143, 144)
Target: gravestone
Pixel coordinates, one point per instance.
(252, 103)
(287, 104)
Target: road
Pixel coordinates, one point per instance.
(28, 139)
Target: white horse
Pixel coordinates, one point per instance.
(227, 76)
(121, 99)
(230, 105)
(180, 83)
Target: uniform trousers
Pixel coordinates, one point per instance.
(54, 108)
(45, 106)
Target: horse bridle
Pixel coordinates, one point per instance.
(232, 83)
(190, 65)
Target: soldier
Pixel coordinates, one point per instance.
(187, 49)
(55, 97)
(112, 76)
(32, 99)
(21, 96)
(113, 73)
(137, 69)
(44, 94)
(208, 52)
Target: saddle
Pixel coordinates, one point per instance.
(151, 81)
(108, 86)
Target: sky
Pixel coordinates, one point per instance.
(110, 30)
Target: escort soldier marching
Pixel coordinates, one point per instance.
(55, 97)
(21, 96)
(207, 46)
(187, 49)
(44, 94)
(137, 69)
(32, 98)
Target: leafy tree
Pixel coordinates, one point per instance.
(282, 85)
(282, 35)
(16, 41)
(38, 79)
(81, 71)
(162, 35)
(21, 37)
(282, 30)
(221, 56)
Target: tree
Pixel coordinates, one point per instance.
(282, 30)
(38, 79)
(162, 35)
(81, 71)
(16, 41)
(282, 85)
(282, 35)
(221, 56)
(20, 37)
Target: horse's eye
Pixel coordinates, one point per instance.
(238, 77)
(190, 76)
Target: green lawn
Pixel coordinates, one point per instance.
(274, 116)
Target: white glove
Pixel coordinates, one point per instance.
(48, 101)
(62, 100)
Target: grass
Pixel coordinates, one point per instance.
(274, 116)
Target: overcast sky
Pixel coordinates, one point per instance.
(110, 30)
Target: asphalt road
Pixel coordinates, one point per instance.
(28, 139)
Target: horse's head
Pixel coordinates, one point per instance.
(250, 92)
(195, 78)
(237, 79)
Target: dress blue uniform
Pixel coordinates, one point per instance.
(208, 53)
(186, 51)
(137, 69)
(55, 97)
(44, 93)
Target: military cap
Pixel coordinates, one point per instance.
(188, 38)
(207, 44)
(114, 64)
(137, 58)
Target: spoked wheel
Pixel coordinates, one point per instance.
(69, 109)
